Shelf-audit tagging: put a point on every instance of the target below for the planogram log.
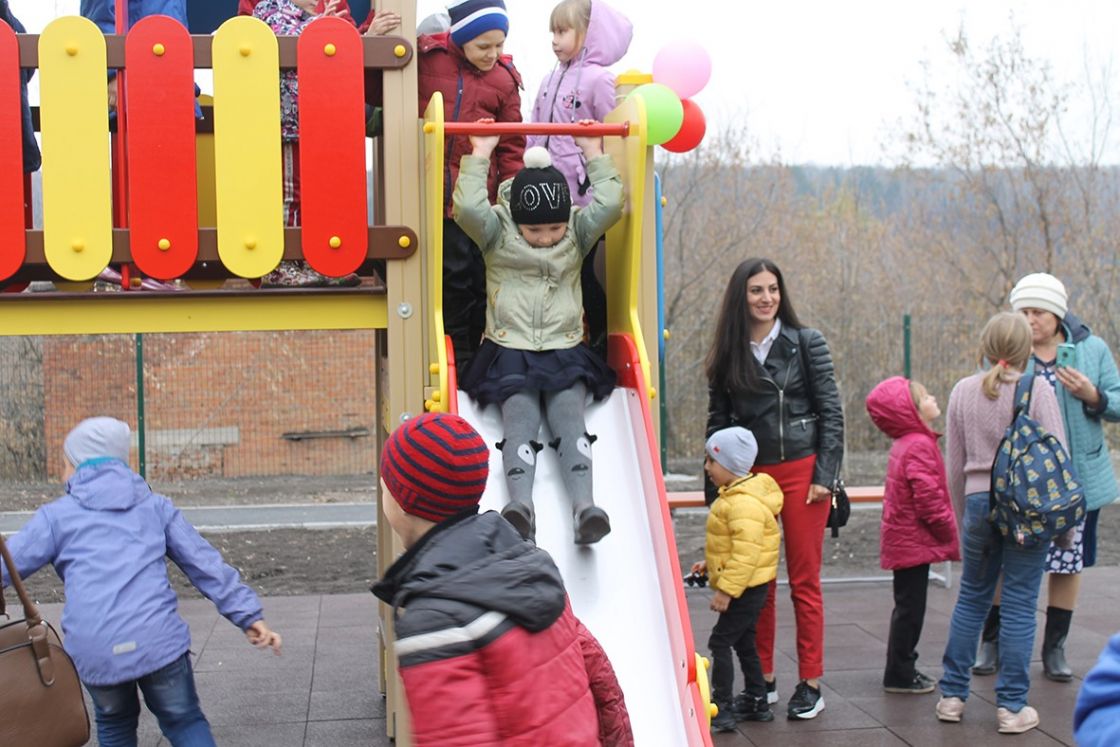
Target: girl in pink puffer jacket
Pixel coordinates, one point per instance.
(918, 526)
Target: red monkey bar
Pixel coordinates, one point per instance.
(535, 128)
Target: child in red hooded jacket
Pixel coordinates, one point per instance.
(918, 526)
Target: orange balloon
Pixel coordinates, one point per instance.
(692, 129)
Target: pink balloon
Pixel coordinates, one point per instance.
(683, 66)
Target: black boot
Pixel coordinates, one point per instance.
(724, 720)
(1053, 645)
(987, 658)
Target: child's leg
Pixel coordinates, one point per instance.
(752, 600)
(564, 410)
(116, 708)
(910, 587)
(170, 694)
(727, 632)
(521, 424)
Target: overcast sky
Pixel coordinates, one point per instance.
(821, 81)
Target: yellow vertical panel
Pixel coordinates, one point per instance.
(77, 199)
(204, 147)
(433, 221)
(624, 239)
(247, 165)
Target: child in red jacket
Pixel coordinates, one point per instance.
(918, 526)
(489, 650)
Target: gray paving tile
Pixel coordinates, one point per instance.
(361, 733)
(352, 703)
(261, 735)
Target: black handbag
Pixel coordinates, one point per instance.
(841, 508)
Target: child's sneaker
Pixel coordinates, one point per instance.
(806, 702)
(919, 685)
(592, 524)
(724, 720)
(772, 691)
(293, 274)
(749, 708)
(521, 517)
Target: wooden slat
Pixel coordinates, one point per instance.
(332, 147)
(378, 52)
(162, 194)
(12, 239)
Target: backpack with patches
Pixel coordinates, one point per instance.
(1035, 495)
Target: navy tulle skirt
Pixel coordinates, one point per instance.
(497, 372)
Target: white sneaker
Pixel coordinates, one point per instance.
(1016, 723)
(950, 709)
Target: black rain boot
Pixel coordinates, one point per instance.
(987, 658)
(1053, 645)
(522, 518)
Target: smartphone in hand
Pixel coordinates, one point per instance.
(1067, 354)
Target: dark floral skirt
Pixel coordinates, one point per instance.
(498, 372)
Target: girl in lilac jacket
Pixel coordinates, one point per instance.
(918, 527)
(587, 36)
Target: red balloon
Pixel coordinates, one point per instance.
(692, 129)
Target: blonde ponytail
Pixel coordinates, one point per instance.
(1005, 345)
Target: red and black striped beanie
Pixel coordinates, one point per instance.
(436, 466)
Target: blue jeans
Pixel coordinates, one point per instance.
(170, 695)
(984, 559)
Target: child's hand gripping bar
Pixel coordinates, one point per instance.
(621, 129)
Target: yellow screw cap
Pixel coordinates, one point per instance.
(400, 50)
(713, 710)
(250, 243)
(71, 49)
(428, 405)
(666, 334)
(164, 244)
(329, 50)
(158, 50)
(404, 242)
(429, 128)
(652, 392)
(664, 201)
(246, 50)
(433, 369)
(335, 242)
(77, 245)
(707, 662)
(437, 396)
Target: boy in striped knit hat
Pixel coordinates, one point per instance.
(489, 651)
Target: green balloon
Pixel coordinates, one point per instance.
(664, 111)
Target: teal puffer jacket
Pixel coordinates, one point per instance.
(1084, 430)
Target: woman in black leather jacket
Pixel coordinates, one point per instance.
(773, 376)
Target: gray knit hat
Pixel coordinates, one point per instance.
(98, 437)
(734, 448)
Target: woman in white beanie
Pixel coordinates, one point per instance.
(1088, 389)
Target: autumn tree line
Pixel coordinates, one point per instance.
(1003, 173)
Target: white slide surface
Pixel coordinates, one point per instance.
(613, 584)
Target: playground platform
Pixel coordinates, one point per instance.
(323, 691)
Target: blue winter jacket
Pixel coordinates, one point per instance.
(104, 12)
(1096, 718)
(1084, 430)
(32, 159)
(107, 539)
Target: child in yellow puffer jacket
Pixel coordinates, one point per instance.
(741, 558)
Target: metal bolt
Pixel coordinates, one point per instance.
(406, 416)
(404, 310)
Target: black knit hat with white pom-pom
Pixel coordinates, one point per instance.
(540, 192)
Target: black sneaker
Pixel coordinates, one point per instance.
(772, 691)
(724, 720)
(919, 685)
(806, 702)
(749, 708)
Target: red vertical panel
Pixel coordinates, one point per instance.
(332, 146)
(12, 236)
(163, 199)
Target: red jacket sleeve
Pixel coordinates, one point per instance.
(450, 703)
(924, 471)
(510, 152)
(245, 7)
(614, 720)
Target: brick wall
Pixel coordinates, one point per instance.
(218, 404)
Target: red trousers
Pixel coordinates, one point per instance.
(803, 539)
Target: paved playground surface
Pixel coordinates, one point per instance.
(323, 691)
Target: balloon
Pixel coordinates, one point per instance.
(684, 66)
(664, 113)
(691, 132)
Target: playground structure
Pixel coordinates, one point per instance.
(174, 202)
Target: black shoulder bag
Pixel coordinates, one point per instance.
(841, 508)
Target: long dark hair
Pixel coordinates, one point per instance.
(730, 363)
